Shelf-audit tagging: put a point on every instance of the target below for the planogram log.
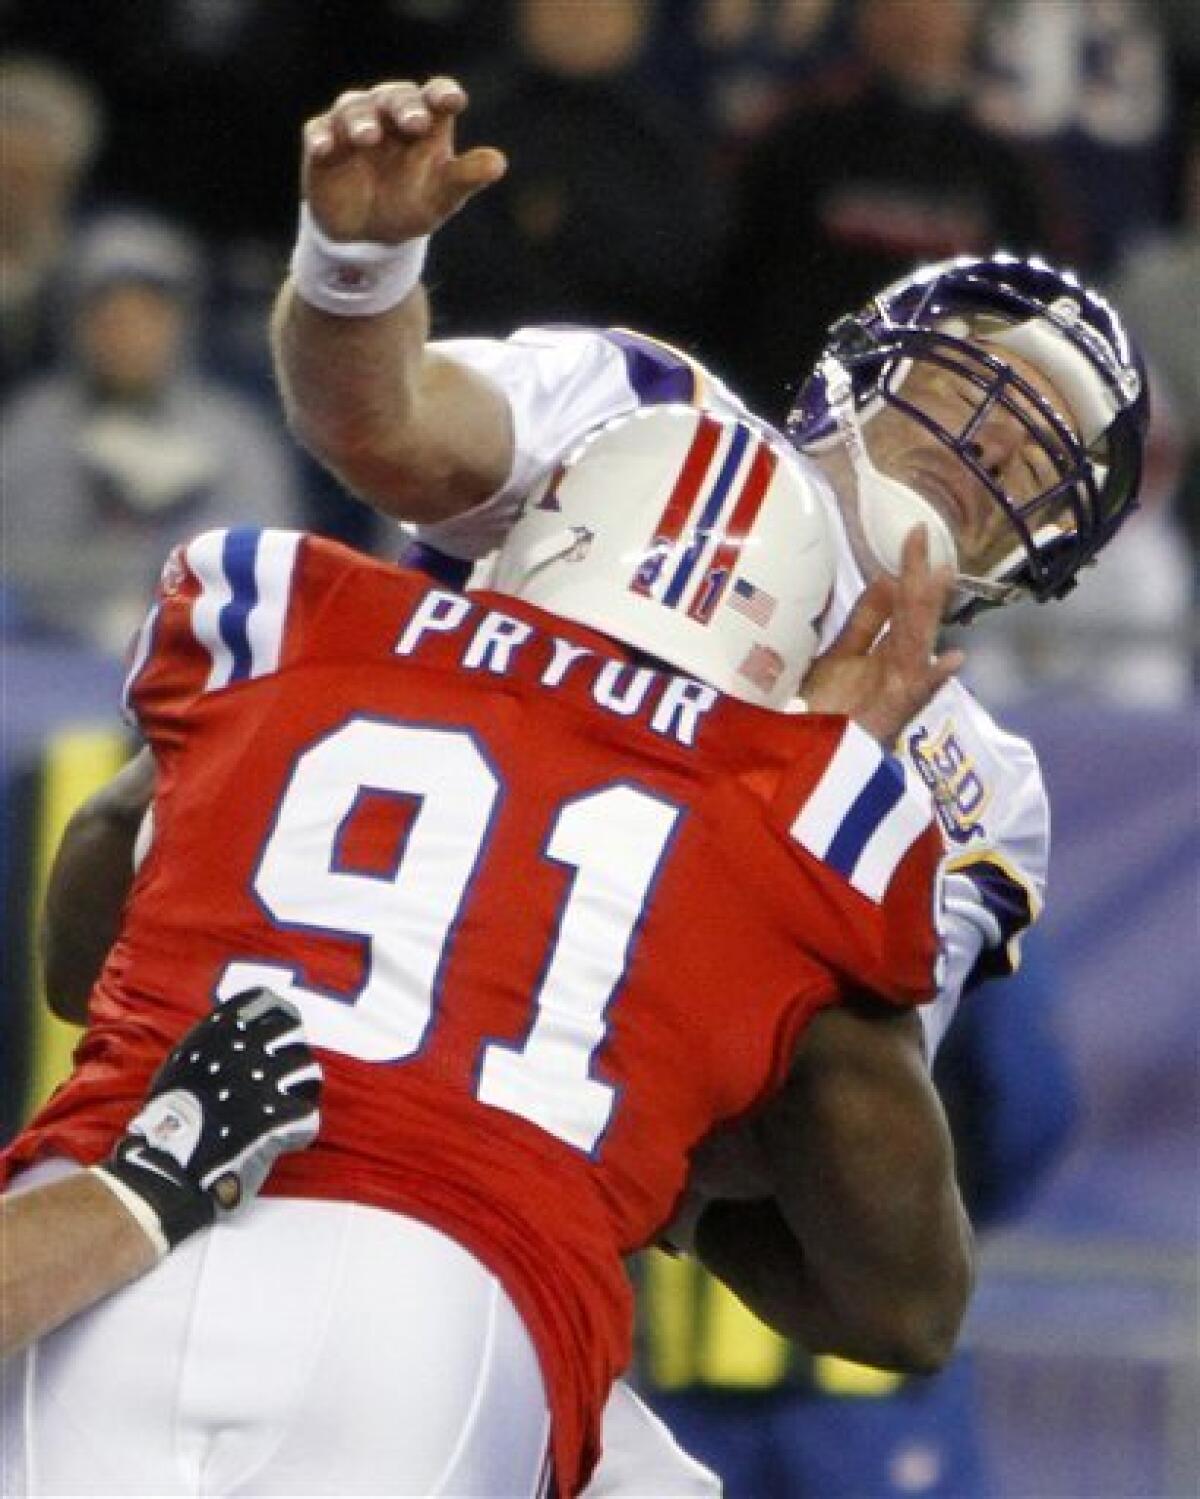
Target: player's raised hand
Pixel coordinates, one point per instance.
(882, 669)
(381, 164)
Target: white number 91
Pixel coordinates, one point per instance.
(614, 839)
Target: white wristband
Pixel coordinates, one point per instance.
(353, 278)
(147, 1218)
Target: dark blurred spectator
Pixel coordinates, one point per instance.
(770, 1419)
(843, 198)
(1181, 33)
(1129, 636)
(1082, 89)
(205, 101)
(125, 449)
(50, 129)
(374, 39)
(606, 214)
(740, 65)
(1157, 287)
(206, 97)
(196, 92)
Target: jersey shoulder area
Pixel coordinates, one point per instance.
(848, 803)
(862, 828)
(237, 604)
(592, 374)
(859, 830)
(561, 384)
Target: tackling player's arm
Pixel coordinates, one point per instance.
(197, 1149)
(66, 1246)
(88, 885)
(865, 1249)
(416, 434)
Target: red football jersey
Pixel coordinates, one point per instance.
(550, 914)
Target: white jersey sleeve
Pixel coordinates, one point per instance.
(990, 799)
(561, 384)
(991, 803)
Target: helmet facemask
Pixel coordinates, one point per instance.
(1047, 520)
(980, 324)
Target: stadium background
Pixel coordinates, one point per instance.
(1084, 1328)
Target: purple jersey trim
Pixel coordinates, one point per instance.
(657, 375)
(1009, 902)
(451, 572)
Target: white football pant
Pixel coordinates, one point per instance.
(301, 1348)
(642, 1460)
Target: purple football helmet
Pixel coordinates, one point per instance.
(1071, 334)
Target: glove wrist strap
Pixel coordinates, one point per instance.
(169, 1201)
(137, 1207)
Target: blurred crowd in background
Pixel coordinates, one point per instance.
(727, 174)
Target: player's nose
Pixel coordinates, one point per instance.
(996, 443)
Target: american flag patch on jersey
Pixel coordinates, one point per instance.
(762, 667)
(755, 603)
(863, 815)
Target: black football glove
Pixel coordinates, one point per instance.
(239, 1089)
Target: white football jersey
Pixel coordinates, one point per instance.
(561, 384)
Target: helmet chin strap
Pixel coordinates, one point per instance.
(975, 593)
(888, 510)
(996, 586)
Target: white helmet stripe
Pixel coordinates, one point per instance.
(1093, 404)
(680, 502)
(710, 513)
(719, 569)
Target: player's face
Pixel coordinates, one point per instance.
(130, 337)
(1004, 446)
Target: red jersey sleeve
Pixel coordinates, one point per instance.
(865, 830)
(218, 618)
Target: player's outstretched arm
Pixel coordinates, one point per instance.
(865, 1249)
(89, 882)
(417, 435)
(190, 1155)
(64, 1247)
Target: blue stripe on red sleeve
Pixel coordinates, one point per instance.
(870, 807)
(238, 559)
